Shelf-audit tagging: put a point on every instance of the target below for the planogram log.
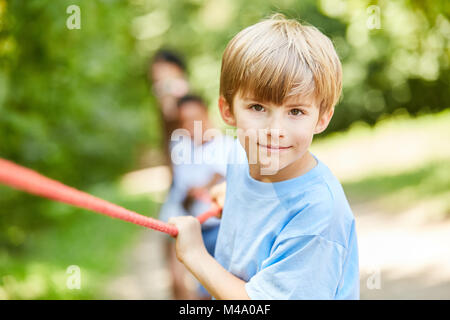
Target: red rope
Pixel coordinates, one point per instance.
(32, 182)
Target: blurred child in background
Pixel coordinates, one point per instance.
(198, 153)
(168, 78)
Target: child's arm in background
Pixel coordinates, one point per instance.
(217, 177)
(203, 191)
(217, 193)
(191, 251)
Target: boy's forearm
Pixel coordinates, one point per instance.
(220, 283)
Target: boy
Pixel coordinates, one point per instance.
(287, 230)
(197, 166)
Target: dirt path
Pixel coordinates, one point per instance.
(144, 274)
(404, 256)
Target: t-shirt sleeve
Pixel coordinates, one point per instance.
(300, 267)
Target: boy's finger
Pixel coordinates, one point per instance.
(173, 221)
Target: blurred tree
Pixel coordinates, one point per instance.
(395, 54)
(72, 103)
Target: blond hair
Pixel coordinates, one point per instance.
(278, 58)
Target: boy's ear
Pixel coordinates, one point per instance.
(323, 121)
(225, 112)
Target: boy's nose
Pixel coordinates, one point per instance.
(275, 128)
(276, 125)
(275, 132)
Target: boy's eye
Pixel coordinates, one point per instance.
(295, 112)
(257, 107)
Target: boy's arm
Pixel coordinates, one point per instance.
(191, 251)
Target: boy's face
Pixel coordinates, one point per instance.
(275, 137)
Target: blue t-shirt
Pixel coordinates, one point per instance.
(293, 239)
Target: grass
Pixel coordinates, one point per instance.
(400, 163)
(94, 243)
(392, 146)
(428, 185)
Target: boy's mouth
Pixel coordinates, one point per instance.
(274, 148)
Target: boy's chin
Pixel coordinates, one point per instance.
(269, 165)
(267, 171)
(270, 168)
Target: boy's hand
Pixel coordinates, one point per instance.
(189, 246)
(218, 194)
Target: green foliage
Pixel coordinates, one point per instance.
(73, 104)
(395, 54)
(94, 243)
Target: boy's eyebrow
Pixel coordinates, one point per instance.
(299, 104)
(292, 105)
